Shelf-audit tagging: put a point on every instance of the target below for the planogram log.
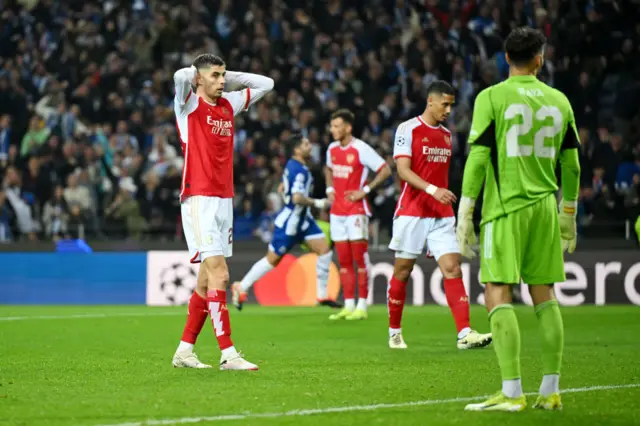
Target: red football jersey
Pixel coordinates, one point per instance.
(350, 167)
(429, 148)
(207, 132)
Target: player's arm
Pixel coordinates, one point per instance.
(570, 174)
(371, 159)
(328, 178)
(255, 87)
(402, 156)
(298, 197)
(183, 81)
(570, 163)
(482, 139)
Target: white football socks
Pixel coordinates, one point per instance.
(362, 304)
(185, 347)
(550, 384)
(393, 331)
(512, 388)
(257, 271)
(322, 272)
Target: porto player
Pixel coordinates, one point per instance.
(205, 121)
(348, 163)
(293, 225)
(424, 216)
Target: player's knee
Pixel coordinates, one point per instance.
(273, 258)
(497, 294)
(452, 270)
(217, 272)
(402, 272)
(450, 265)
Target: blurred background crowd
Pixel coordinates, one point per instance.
(88, 145)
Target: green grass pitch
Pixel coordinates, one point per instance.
(111, 365)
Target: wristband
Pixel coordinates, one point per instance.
(366, 189)
(319, 204)
(431, 189)
(569, 207)
(330, 190)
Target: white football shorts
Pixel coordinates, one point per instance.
(411, 235)
(349, 228)
(208, 226)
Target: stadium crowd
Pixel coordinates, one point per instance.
(87, 136)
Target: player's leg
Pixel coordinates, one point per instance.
(218, 245)
(240, 289)
(317, 243)
(443, 245)
(543, 265)
(359, 242)
(397, 295)
(198, 309)
(409, 235)
(500, 267)
(340, 238)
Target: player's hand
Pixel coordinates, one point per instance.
(331, 197)
(354, 196)
(465, 232)
(444, 196)
(567, 220)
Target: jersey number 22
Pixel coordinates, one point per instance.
(514, 149)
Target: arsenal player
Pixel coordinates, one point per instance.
(348, 163)
(205, 121)
(424, 216)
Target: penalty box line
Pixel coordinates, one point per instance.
(373, 407)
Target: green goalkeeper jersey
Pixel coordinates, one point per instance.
(527, 125)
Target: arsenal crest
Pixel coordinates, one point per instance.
(425, 140)
(225, 111)
(447, 139)
(350, 158)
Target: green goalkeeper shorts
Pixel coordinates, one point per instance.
(523, 244)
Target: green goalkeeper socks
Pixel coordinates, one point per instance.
(552, 331)
(506, 340)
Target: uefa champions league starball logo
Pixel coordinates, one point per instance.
(177, 283)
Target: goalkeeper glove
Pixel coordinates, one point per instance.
(465, 232)
(567, 220)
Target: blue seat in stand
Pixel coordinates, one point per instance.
(73, 246)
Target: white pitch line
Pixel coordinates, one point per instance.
(76, 316)
(145, 314)
(329, 410)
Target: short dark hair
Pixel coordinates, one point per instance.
(346, 115)
(523, 44)
(207, 60)
(294, 141)
(440, 87)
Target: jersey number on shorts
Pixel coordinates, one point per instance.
(230, 236)
(514, 149)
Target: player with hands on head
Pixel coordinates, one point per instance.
(520, 129)
(294, 225)
(424, 215)
(348, 163)
(205, 122)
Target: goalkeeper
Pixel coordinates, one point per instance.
(521, 128)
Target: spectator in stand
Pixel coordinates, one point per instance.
(87, 85)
